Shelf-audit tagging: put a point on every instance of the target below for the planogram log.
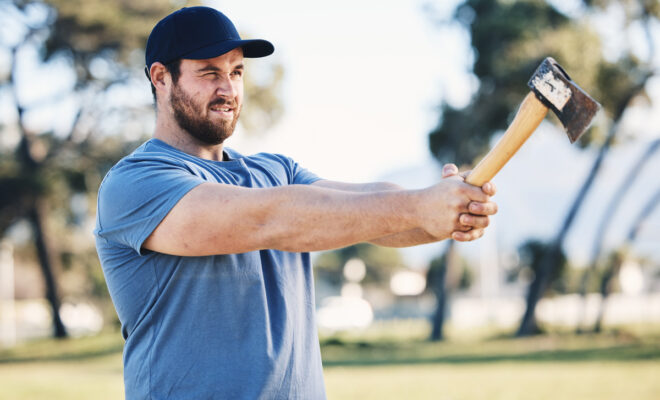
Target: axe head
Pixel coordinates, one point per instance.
(554, 88)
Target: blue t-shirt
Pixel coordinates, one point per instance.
(237, 326)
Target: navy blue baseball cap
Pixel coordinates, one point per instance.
(197, 33)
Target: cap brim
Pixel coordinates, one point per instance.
(252, 48)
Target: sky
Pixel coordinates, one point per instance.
(362, 81)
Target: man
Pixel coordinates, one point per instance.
(205, 251)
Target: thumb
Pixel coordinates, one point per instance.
(449, 170)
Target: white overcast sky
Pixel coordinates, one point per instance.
(362, 81)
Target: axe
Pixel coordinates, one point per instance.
(553, 89)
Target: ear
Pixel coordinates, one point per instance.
(159, 76)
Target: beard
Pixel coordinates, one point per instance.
(189, 115)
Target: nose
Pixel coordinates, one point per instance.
(226, 87)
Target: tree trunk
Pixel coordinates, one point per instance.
(46, 261)
(528, 325)
(610, 210)
(36, 212)
(646, 211)
(441, 289)
(438, 320)
(605, 291)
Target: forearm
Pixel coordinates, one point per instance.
(412, 237)
(222, 219)
(409, 238)
(309, 219)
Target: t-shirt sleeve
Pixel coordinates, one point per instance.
(300, 175)
(137, 194)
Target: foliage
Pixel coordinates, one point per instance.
(86, 29)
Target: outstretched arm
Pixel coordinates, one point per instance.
(221, 219)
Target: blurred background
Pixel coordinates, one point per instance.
(559, 299)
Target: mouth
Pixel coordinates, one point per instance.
(223, 111)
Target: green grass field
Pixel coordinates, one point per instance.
(385, 363)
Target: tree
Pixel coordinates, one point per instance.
(509, 40)
(618, 258)
(446, 273)
(42, 172)
(97, 48)
(610, 210)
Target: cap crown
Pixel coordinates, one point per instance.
(196, 33)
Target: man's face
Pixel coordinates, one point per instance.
(207, 99)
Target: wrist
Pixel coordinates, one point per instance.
(410, 209)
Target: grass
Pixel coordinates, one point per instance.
(73, 369)
(387, 362)
(622, 363)
(502, 380)
(97, 377)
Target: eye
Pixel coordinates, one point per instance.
(237, 74)
(210, 75)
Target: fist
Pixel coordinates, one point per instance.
(471, 224)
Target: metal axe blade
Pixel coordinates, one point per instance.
(572, 105)
(553, 89)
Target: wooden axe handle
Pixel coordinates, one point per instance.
(529, 117)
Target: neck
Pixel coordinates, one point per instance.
(171, 133)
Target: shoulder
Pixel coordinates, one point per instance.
(151, 162)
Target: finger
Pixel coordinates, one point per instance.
(475, 193)
(489, 188)
(462, 228)
(449, 170)
(467, 236)
(474, 221)
(465, 174)
(482, 208)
